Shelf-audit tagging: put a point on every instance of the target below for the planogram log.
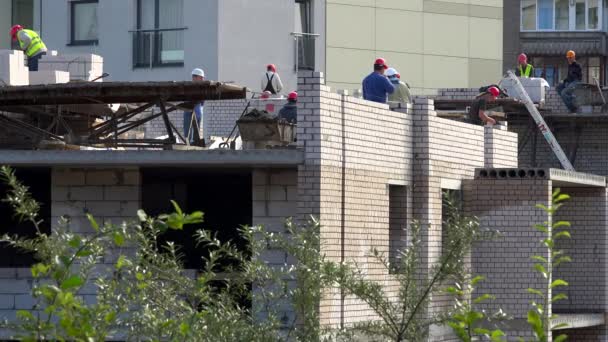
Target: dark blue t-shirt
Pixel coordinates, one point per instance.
(376, 88)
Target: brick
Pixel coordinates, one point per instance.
(105, 177)
(7, 302)
(122, 193)
(24, 302)
(68, 177)
(15, 286)
(86, 193)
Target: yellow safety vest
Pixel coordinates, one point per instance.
(527, 72)
(36, 43)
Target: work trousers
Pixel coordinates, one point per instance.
(566, 91)
(32, 62)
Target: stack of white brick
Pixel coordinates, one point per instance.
(81, 67)
(49, 77)
(12, 68)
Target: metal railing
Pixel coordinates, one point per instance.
(158, 47)
(304, 48)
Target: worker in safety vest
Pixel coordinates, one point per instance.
(31, 43)
(525, 69)
(271, 81)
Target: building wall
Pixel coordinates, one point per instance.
(507, 205)
(6, 22)
(110, 195)
(511, 28)
(454, 43)
(232, 40)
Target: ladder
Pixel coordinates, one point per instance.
(540, 122)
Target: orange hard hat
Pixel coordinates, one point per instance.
(381, 62)
(271, 67)
(570, 54)
(494, 91)
(292, 96)
(14, 30)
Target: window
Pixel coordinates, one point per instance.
(555, 69)
(397, 221)
(84, 22)
(159, 37)
(561, 15)
(528, 14)
(545, 14)
(304, 38)
(39, 182)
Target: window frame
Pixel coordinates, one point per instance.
(156, 52)
(571, 18)
(73, 41)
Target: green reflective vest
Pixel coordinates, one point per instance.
(35, 46)
(527, 72)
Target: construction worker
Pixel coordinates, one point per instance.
(31, 43)
(271, 81)
(402, 90)
(289, 112)
(192, 123)
(477, 111)
(524, 69)
(376, 86)
(575, 76)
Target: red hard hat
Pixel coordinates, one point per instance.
(494, 91)
(271, 67)
(292, 96)
(14, 30)
(522, 58)
(381, 62)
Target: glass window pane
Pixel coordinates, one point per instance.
(562, 15)
(545, 14)
(580, 14)
(146, 14)
(593, 14)
(528, 14)
(172, 14)
(85, 21)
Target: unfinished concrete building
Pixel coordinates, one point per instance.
(364, 170)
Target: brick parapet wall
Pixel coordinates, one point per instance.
(500, 148)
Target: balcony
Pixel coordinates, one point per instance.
(557, 43)
(304, 46)
(158, 47)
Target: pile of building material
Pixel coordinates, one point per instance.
(260, 129)
(12, 68)
(85, 67)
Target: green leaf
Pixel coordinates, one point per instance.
(84, 253)
(178, 210)
(497, 335)
(119, 239)
(140, 276)
(541, 269)
(541, 228)
(560, 326)
(71, 282)
(559, 296)
(195, 217)
(93, 222)
(561, 260)
(483, 298)
(25, 315)
(562, 234)
(476, 280)
(536, 292)
(481, 331)
(121, 262)
(559, 224)
(560, 338)
(536, 323)
(39, 270)
(75, 242)
(549, 243)
(110, 316)
(184, 328)
(558, 282)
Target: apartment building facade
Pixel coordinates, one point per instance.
(434, 44)
(546, 29)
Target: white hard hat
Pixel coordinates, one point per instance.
(391, 72)
(198, 72)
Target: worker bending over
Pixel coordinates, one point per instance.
(192, 123)
(477, 111)
(402, 91)
(271, 81)
(575, 76)
(376, 86)
(31, 44)
(289, 112)
(525, 69)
